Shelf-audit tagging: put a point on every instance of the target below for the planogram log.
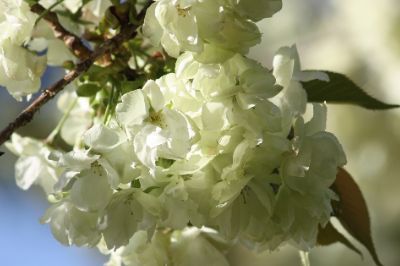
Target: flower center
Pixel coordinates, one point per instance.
(183, 12)
(157, 118)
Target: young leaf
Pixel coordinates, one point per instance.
(329, 235)
(352, 211)
(88, 89)
(340, 89)
(31, 2)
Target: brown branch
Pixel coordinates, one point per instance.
(127, 32)
(73, 42)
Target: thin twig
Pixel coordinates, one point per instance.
(127, 32)
(73, 42)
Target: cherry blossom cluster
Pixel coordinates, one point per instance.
(215, 153)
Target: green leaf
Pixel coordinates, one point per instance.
(115, 2)
(88, 89)
(329, 235)
(131, 85)
(111, 19)
(149, 189)
(31, 2)
(135, 183)
(352, 211)
(165, 163)
(340, 89)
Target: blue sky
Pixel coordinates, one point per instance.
(24, 241)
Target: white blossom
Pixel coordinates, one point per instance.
(34, 165)
(210, 28)
(20, 69)
(177, 170)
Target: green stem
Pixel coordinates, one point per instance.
(61, 123)
(109, 108)
(48, 10)
(305, 258)
(142, 53)
(135, 61)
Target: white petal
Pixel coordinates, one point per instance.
(133, 109)
(102, 138)
(91, 191)
(153, 92)
(145, 145)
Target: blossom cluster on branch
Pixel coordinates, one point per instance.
(174, 146)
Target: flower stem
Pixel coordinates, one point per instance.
(60, 124)
(305, 258)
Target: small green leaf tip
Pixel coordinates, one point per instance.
(341, 90)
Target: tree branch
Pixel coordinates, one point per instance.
(127, 32)
(73, 42)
